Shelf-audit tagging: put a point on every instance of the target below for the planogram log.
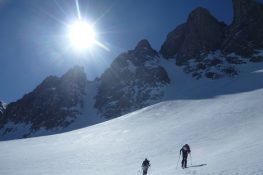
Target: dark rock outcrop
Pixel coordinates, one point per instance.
(200, 34)
(134, 80)
(53, 104)
(245, 34)
(174, 42)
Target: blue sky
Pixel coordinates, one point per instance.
(33, 44)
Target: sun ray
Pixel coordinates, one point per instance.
(103, 46)
(78, 9)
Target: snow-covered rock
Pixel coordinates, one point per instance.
(2, 108)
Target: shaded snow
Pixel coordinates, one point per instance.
(183, 86)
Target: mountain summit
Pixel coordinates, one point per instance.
(133, 81)
(55, 103)
(201, 33)
(208, 48)
(245, 35)
(144, 45)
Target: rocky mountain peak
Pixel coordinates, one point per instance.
(244, 10)
(75, 73)
(203, 22)
(143, 45)
(53, 104)
(200, 15)
(133, 80)
(244, 36)
(200, 34)
(203, 35)
(143, 48)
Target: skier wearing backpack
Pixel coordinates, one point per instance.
(145, 165)
(185, 150)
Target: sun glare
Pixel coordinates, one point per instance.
(82, 35)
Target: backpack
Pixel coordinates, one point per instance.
(146, 163)
(186, 148)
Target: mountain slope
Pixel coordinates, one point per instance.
(224, 133)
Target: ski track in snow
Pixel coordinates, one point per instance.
(220, 119)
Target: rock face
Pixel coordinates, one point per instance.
(245, 34)
(53, 104)
(207, 47)
(134, 80)
(201, 33)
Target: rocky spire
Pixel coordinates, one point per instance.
(201, 33)
(244, 10)
(143, 45)
(144, 48)
(200, 16)
(75, 73)
(245, 34)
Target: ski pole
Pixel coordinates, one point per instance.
(178, 161)
(140, 172)
(191, 158)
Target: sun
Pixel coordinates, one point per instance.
(82, 35)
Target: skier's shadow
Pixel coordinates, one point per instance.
(198, 165)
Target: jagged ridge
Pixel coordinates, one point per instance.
(134, 80)
(53, 104)
(211, 45)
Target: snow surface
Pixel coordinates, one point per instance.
(220, 119)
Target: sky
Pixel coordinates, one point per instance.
(33, 42)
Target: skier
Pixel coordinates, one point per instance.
(185, 150)
(145, 165)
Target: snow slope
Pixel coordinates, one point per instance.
(221, 120)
